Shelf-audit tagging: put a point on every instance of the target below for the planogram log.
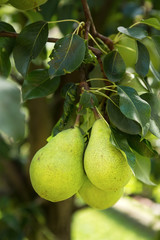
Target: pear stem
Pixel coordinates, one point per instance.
(77, 121)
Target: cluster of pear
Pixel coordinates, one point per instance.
(62, 168)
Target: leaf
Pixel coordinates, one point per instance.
(114, 66)
(30, 43)
(119, 140)
(6, 47)
(143, 147)
(156, 40)
(134, 107)
(67, 55)
(142, 64)
(68, 109)
(11, 117)
(134, 32)
(88, 100)
(119, 120)
(154, 101)
(152, 22)
(155, 73)
(142, 169)
(38, 84)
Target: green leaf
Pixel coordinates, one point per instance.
(38, 84)
(155, 73)
(30, 43)
(152, 22)
(154, 101)
(6, 47)
(68, 110)
(119, 120)
(156, 40)
(143, 147)
(134, 107)
(120, 141)
(114, 66)
(134, 32)
(67, 55)
(88, 100)
(11, 117)
(142, 64)
(143, 168)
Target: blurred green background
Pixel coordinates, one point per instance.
(23, 215)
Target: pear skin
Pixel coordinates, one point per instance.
(105, 166)
(56, 170)
(98, 198)
(26, 4)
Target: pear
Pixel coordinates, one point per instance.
(98, 198)
(26, 4)
(56, 170)
(105, 166)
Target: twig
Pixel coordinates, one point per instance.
(15, 35)
(90, 24)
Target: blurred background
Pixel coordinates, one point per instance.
(23, 215)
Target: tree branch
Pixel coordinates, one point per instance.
(15, 35)
(90, 24)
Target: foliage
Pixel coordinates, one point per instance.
(47, 55)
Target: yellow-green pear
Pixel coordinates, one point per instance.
(26, 4)
(98, 198)
(56, 170)
(105, 166)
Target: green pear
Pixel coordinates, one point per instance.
(56, 170)
(105, 166)
(98, 198)
(130, 80)
(26, 4)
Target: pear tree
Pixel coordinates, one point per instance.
(84, 100)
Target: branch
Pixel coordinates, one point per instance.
(90, 24)
(15, 35)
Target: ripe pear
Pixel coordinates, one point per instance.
(98, 198)
(105, 166)
(56, 170)
(26, 4)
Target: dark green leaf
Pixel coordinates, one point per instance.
(119, 140)
(30, 43)
(156, 40)
(134, 107)
(67, 55)
(152, 22)
(134, 32)
(142, 169)
(119, 120)
(68, 110)
(154, 102)
(114, 66)
(11, 117)
(6, 47)
(38, 84)
(143, 147)
(88, 100)
(48, 9)
(142, 64)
